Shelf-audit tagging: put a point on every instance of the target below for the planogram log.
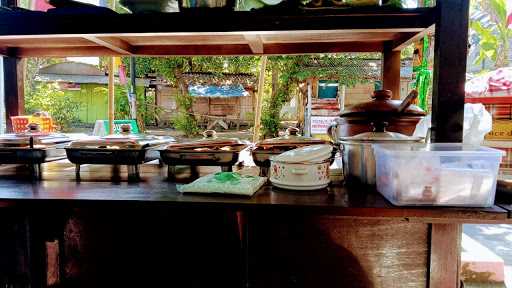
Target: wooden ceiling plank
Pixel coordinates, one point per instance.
(255, 42)
(193, 50)
(205, 50)
(323, 47)
(86, 51)
(270, 49)
(406, 39)
(114, 44)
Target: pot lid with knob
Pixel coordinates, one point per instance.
(383, 106)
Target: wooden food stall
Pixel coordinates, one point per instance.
(101, 233)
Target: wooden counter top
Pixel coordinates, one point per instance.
(97, 188)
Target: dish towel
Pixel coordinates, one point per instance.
(226, 183)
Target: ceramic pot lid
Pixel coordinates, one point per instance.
(305, 154)
(209, 140)
(291, 138)
(381, 105)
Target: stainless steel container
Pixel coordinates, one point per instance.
(357, 153)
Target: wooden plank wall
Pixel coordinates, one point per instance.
(225, 106)
(239, 106)
(201, 106)
(166, 99)
(362, 92)
(301, 251)
(246, 107)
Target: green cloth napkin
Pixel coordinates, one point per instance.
(226, 183)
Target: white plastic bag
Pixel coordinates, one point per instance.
(477, 123)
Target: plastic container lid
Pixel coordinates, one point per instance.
(444, 149)
(305, 154)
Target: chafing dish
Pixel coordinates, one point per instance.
(131, 150)
(33, 149)
(209, 151)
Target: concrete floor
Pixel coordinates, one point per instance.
(498, 239)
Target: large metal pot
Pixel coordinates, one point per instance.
(401, 116)
(357, 153)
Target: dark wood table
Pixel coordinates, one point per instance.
(104, 231)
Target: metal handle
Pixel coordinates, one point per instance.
(212, 157)
(379, 126)
(407, 101)
(95, 153)
(331, 131)
(210, 134)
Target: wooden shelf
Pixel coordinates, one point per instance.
(212, 33)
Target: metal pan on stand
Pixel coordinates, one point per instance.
(209, 151)
(32, 149)
(129, 150)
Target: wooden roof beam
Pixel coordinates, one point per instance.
(255, 42)
(114, 44)
(202, 50)
(407, 39)
(89, 51)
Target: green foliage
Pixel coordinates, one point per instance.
(293, 70)
(185, 121)
(146, 109)
(489, 22)
(171, 67)
(32, 66)
(48, 97)
(270, 114)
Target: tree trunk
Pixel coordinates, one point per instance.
(275, 81)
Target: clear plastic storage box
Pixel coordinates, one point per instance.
(437, 174)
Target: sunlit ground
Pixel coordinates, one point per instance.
(498, 239)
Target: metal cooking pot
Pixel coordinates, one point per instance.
(357, 153)
(401, 116)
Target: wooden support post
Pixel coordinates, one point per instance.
(111, 95)
(450, 52)
(391, 70)
(259, 99)
(445, 255)
(13, 89)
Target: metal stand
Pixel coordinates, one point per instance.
(194, 172)
(264, 171)
(116, 173)
(171, 172)
(77, 171)
(133, 172)
(36, 171)
(226, 168)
